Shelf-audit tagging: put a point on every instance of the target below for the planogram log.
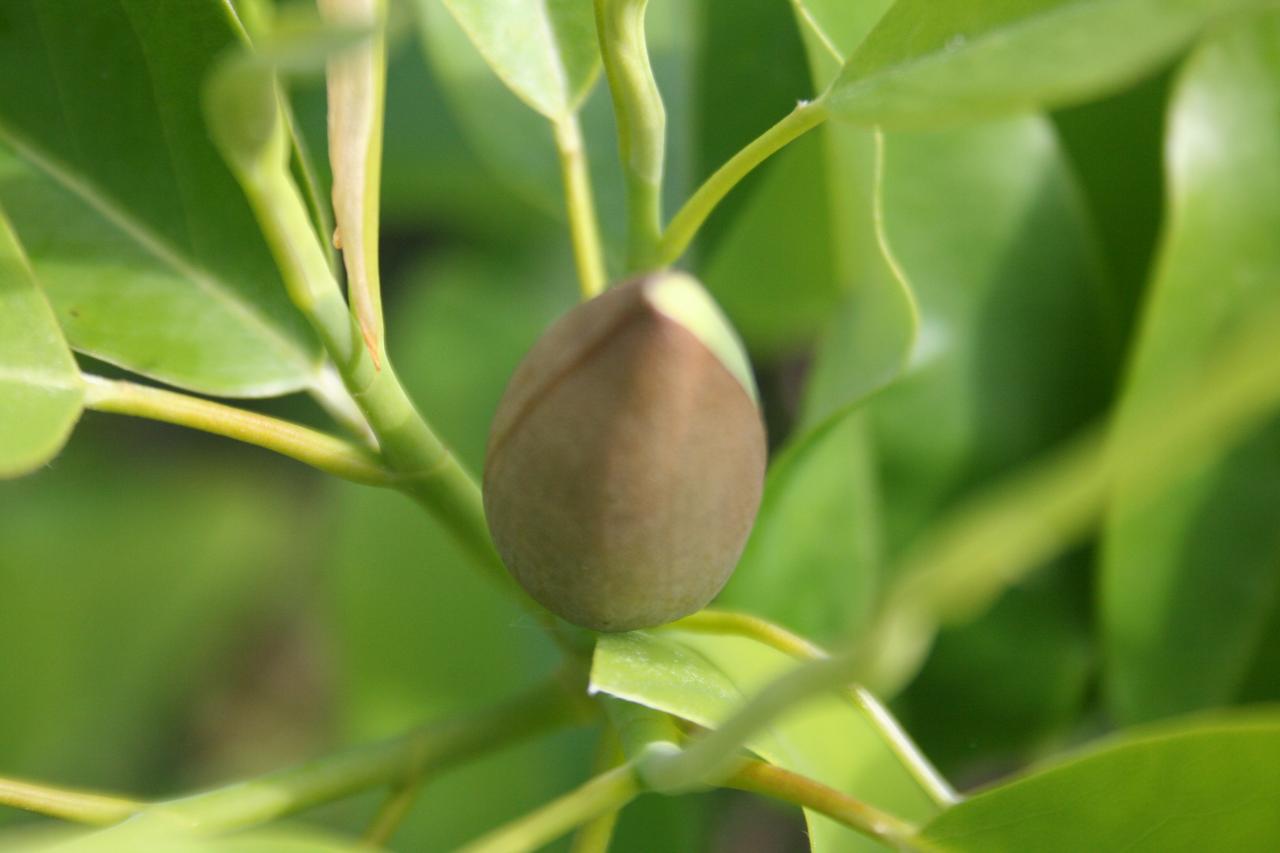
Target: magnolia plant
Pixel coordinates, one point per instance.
(954, 234)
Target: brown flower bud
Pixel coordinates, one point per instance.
(627, 457)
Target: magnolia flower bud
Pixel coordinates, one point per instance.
(627, 457)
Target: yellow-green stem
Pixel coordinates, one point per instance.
(584, 229)
(685, 224)
(426, 469)
(641, 119)
(606, 793)
(311, 447)
(596, 835)
(391, 814)
(891, 732)
(66, 804)
(760, 778)
(433, 747)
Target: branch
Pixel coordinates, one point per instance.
(760, 778)
(434, 747)
(391, 814)
(311, 447)
(66, 804)
(890, 730)
(604, 794)
(641, 119)
(243, 107)
(685, 224)
(579, 201)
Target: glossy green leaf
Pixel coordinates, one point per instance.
(872, 330)
(832, 30)
(813, 561)
(546, 52)
(117, 302)
(40, 391)
(704, 679)
(1208, 785)
(931, 62)
(1115, 147)
(517, 145)
(151, 196)
(513, 141)
(1189, 578)
(419, 631)
(1017, 345)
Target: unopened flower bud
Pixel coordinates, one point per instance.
(627, 457)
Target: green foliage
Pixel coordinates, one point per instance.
(928, 63)
(1182, 631)
(191, 297)
(1193, 786)
(702, 679)
(1018, 367)
(39, 383)
(545, 52)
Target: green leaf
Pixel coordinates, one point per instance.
(545, 52)
(872, 330)
(813, 562)
(932, 62)
(117, 302)
(420, 632)
(1017, 343)
(40, 390)
(153, 196)
(704, 679)
(1209, 785)
(1181, 630)
(832, 30)
(517, 145)
(512, 141)
(1115, 147)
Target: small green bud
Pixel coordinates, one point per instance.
(627, 457)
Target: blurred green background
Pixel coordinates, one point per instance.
(177, 611)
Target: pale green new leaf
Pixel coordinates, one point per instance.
(1189, 578)
(1194, 786)
(40, 390)
(931, 62)
(544, 50)
(704, 679)
(207, 309)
